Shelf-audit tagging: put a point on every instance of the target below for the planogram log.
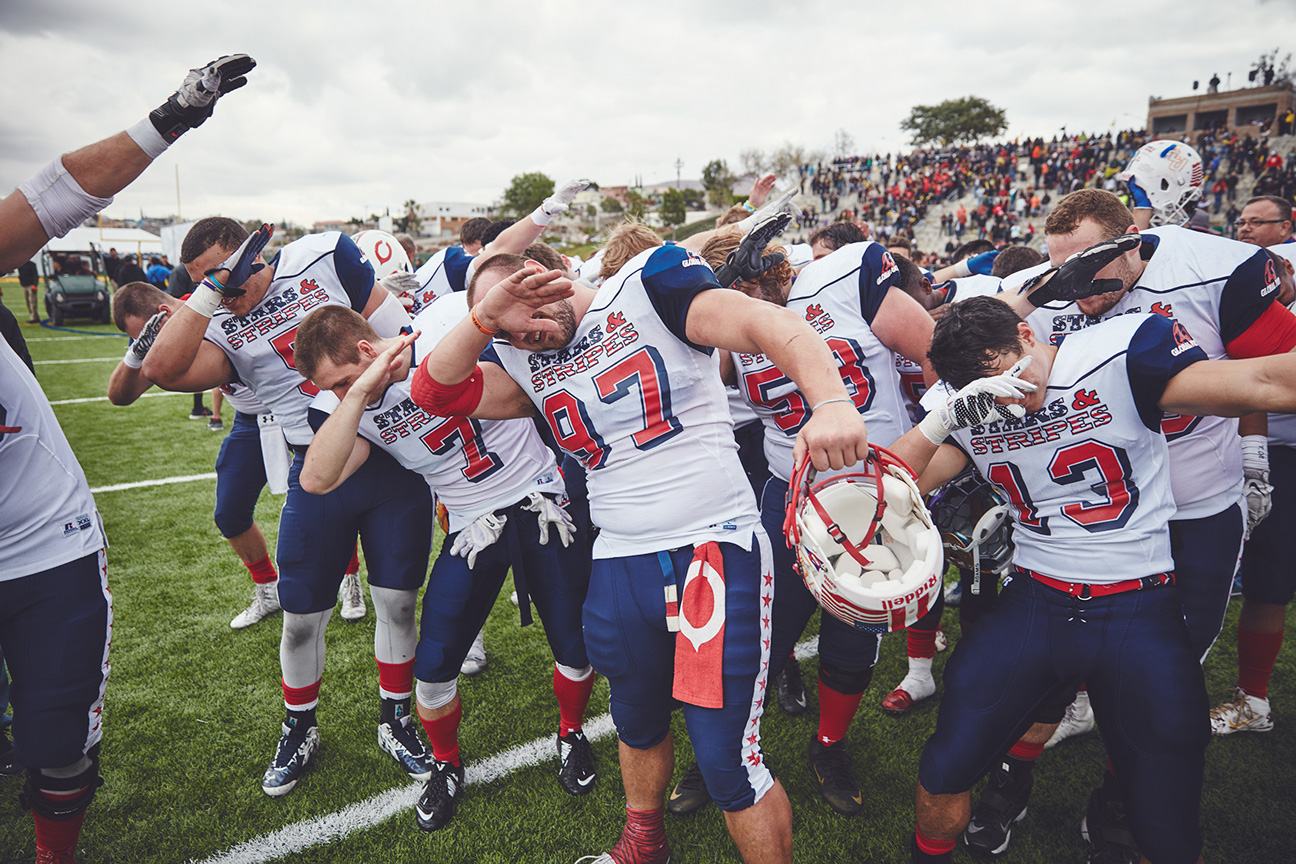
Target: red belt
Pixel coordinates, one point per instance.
(1084, 591)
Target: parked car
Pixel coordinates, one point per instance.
(76, 286)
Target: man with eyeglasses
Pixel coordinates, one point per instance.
(1266, 221)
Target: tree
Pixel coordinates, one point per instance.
(411, 223)
(1268, 70)
(637, 204)
(843, 144)
(752, 161)
(787, 160)
(672, 208)
(611, 205)
(954, 121)
(718, 182)
(525, 193)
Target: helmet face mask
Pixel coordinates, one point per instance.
(865, 544)
(383, 252)
(1171, 174)
(972, 515)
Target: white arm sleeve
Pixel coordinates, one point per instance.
(390, 317)
(58, 199)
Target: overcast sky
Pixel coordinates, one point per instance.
(358, 106)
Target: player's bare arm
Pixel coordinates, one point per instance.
(1233, 388)
(904, 326)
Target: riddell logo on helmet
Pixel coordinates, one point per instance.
(905, 600)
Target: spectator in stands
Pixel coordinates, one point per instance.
(1266, 221)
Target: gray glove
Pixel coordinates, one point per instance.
(550, 513)
(478, 536)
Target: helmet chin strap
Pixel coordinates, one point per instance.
(873, 471)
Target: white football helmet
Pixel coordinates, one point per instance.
(972, 515)
(865, 543)
(383, 253)
(1171, 174)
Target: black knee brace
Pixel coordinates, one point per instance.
(846, 681)
(62, 808)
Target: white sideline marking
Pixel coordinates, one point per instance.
(71, 338)
(105, 398)
(82, 360)
(163, 482)
(383, 806)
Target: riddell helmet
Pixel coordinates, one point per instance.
(1171, 174)
(972, 515)
(865, 543)
(383, 253)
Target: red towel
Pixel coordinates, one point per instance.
(699, 644)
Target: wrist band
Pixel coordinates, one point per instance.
(747, 205)
(472, 314)
(819, 405)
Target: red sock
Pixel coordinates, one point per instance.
(933, 848)
(920, 644)
(58, 835)
(301, 698)
(836, 711)
(1026, 751)
(354, 566)
(643, 841)
(573, 698)
(1256, 655)
(395, 680)
(443, 735)
(262, 571)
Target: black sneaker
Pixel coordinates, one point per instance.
(832, 768)
(1106, 832)
(436, 806)
(8, 767)
(400, 738)
(690, 793)
(575, 763)
(791, 689)
(1002, 804)
(200, 413)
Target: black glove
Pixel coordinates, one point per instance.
(191, 105)
(1074, 278)
(747, 262)
(240, 265)
(140, 347)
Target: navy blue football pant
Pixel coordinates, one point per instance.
(1269, 560)
(1206, 554)
(458, 600)
(240, 475)
(390, 508)
(1145, 683)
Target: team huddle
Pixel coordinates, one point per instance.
(1086, 438)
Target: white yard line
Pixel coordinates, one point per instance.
(73, 338)
(385, 805)
(162, 482)
(105, 398)
(82, 360)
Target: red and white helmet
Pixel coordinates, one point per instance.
(865, 543)
(383, 252)
(1171, 174)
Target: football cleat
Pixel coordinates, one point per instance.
(832, 768)
(791, 689)
(1107, 836)
(1078, 719)
(1002, 805)
(296, 748)
(8, 767)
(400, 738)
(201, 413)
(913, 689)
(352, 597)
(1243, 713)
(575, 763)
(49, 856)
(440, 798)
(474, 663)
(942, 641)
(265, 602)
(215, 424)
(690, 793)
(953, 595)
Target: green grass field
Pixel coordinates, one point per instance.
(193, 707)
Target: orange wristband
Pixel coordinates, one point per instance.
(472, 313)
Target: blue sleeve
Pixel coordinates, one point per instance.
(1247, 294)
(355, 273)
(456, 264)
(315, 417)
(877, 273)
(1160, 349)
(672, 277)
(490, 355)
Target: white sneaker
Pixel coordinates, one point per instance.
(942, 642)
(1244, 713)
(1077, 720)
(265, 601)
(352, 596)
(475, 662)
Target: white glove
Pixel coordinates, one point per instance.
(557, 202)
(782, 204)
(402, 285)
(478, 536)
(549, 513)
(139, 349)
(975, 404)
(1255, 468)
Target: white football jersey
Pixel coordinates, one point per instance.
(317, 270)
(445, 272)
(243, 400)
(644, 411)
(838, 295)
(1216, 288)
(47, 514)
(976, 285)
(1086, 474)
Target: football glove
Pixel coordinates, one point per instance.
(980, 265)
(549, 513)
(1074, 278)
(480, 535)
(558, 202)
(782, 204)
(1138, 197)
(747, 261)
(1256, 487)
(191, 105)
(139, 349)
(401, 284)
(975, 404)
(241, 265)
